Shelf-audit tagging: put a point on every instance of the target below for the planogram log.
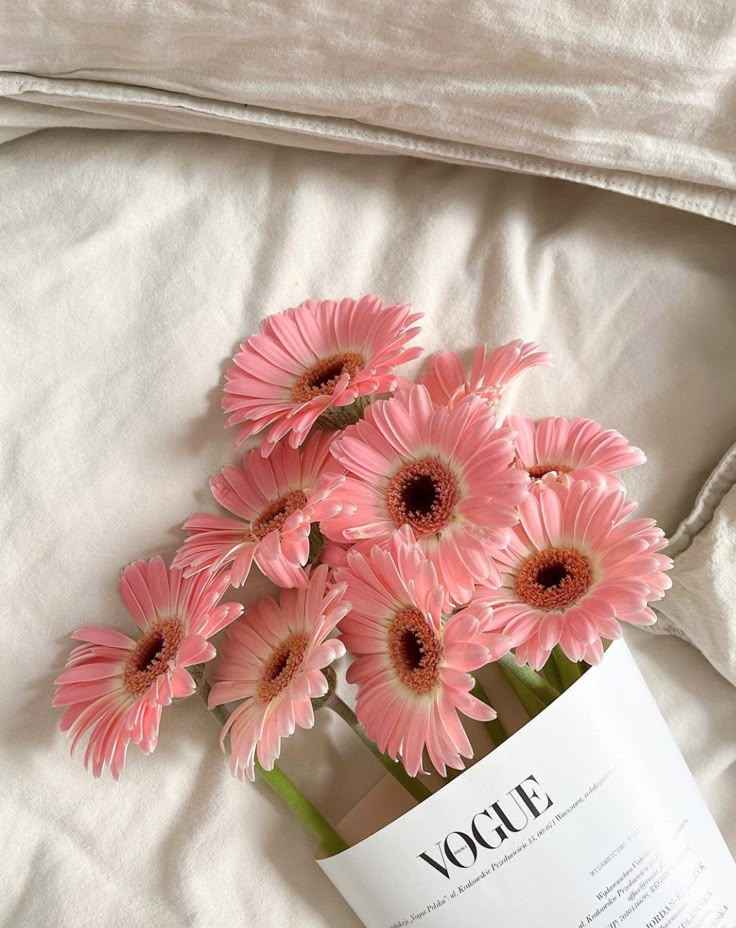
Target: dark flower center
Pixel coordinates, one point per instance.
(285, 662)
(552, 576)
(423, 494)
(152, 655)
(322, 377)
(554, 579)
(415, 651)
(273, 517)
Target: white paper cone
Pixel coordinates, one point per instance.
(587, 816)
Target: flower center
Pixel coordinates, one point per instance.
(321, 378)
(273, 517)
(554, 579)
(152, 655)
(284, 664)
(423, 494)
(415, 651)
(540, 470)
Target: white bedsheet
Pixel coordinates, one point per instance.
(130, 266)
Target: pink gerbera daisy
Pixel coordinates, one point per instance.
(446, 473)
(277, 500)
(314, 360)
(580, 448)
(273, 660)
(412, 665)
(574, 570)
(115, 686)
(490, 373)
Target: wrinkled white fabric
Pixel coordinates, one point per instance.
(701, 607)
(131, 264)
(640, 97)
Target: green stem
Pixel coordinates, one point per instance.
(316, 544)
(336, 418)
(529, 702)
(311, 817)
(313, 820)
(569, 670)
(497, 731)
(413, 786)
(494, 728)
(551, 674)
(533, 681)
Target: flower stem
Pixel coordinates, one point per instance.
(531, 689)
(529, 702)
(569, 670)
(496, 731)
(312, 819)
(316, 544)
(413, 786)
(494, 728)
(551, 674)
(336, 418)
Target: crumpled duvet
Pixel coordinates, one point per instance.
(638, 98)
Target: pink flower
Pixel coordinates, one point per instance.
(273, 660)
(114, 686)
(574, 570)
(314, 359)
(490, 374)
(412, 666)
(277, 500)
(446, 473)
(580, 448)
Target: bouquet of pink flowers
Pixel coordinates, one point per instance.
(404, 524)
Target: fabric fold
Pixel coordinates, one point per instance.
(29, 104)
(701, 606)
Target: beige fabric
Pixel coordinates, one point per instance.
(701, 607)
(37, 104)
(640, 97)
(130, 266)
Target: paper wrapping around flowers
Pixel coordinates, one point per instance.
(587, 816)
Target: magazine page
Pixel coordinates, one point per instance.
(587, 817)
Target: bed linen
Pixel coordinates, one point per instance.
(130, 266)
(640, 97)
(704, 548)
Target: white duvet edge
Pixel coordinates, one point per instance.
(31, 103)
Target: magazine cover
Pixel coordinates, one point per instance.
(587, 816)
